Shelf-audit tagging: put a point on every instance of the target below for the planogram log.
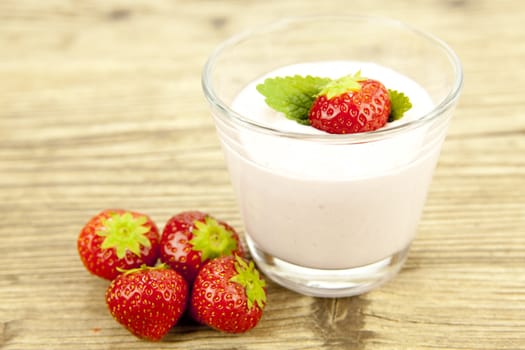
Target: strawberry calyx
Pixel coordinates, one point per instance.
(248, 277)
(125, 232)
(142, 267)
(342, 85)
(212, 239)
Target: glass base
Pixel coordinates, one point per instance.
(324, 282)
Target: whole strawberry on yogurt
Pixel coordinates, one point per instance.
(350, 104)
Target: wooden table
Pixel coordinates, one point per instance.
(101, 106)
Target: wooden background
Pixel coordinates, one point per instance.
(101, 106)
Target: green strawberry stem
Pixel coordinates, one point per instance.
(212, 239)
(248, 276)
(340, 86)
(125, 232)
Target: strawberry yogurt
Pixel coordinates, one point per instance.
(335, 204)
(330, 215)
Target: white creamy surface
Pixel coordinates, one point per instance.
(323, 205)
(294, 157)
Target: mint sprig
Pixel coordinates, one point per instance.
(399, 104)
(294, 95)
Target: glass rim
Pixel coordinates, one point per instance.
(239, 119)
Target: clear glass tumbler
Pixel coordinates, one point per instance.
(331, 215)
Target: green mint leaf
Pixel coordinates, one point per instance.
(292, 95)
(399, 104)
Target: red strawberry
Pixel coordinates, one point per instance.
(118, 239)
(228, 295)
(349, 105)
(191, 238)
(148, 301)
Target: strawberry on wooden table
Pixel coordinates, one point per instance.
(228, 295)
(148, 301)
(191, 238)
(118, 239)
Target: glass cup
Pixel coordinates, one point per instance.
(331, 215)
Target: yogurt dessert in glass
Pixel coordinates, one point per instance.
(331, 214)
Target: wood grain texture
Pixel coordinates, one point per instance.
(101, 106)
